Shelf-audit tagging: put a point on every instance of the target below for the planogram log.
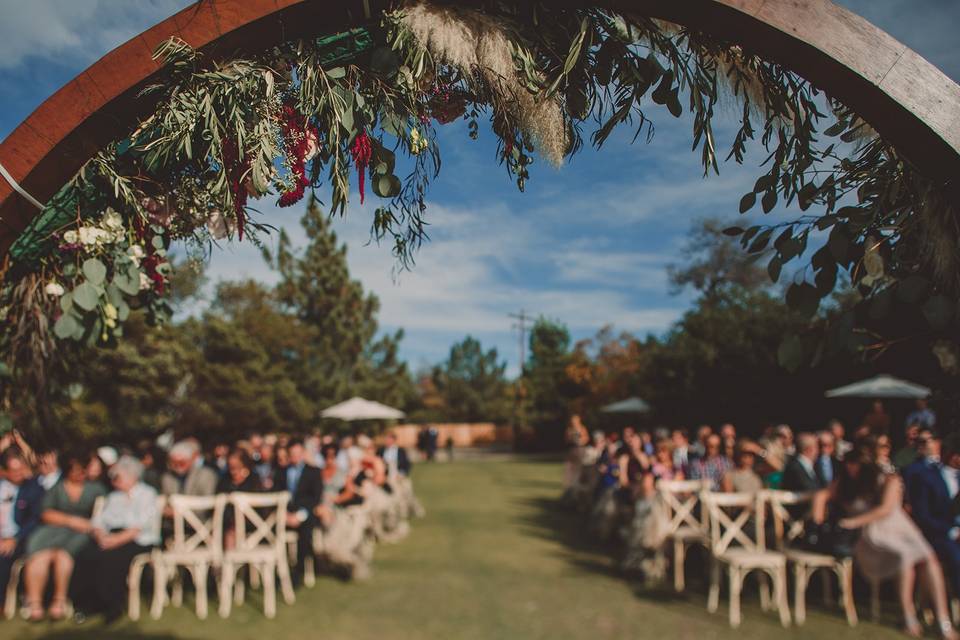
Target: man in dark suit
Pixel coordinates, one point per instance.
(932, 488)
(305, 484)
(21, 501)
(394, 456)
(828, 466)
(800, 473)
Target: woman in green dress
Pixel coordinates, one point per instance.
(64, 531)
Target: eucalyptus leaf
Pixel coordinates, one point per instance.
(85, 296)
(94, 271)
(66, 326)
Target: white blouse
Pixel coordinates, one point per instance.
(135, 510)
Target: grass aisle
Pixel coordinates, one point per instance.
(495, 558)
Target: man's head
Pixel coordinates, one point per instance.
(182, 456)
(807, 445)
(911, 433)
(837, 429)
(15, 467)
(928, 443)
(728, 432)
(295, 451)
(703, 432)
(785, 435)
(713, 445)
(680, 437)
(828, 444)
(390, 439)
(47, 462)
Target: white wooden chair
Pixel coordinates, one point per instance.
(197, 545)
(262, 548)
(16, 571)
(789, 528)
(732, 548)
(137, 565)
(348, 542)
(310, 563)
(686, 528)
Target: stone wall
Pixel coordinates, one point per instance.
(476, 434)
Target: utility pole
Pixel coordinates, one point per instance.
(521, 323)
(519, 414)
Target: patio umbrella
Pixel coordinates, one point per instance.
(630, 405)
(882, 386)
(357, 408)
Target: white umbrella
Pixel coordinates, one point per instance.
(880, 387)
(359, 409)
(630, 405)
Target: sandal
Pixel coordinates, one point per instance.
(34, 613)
(912, 627)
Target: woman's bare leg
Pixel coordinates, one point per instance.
(62, 570)
(932, 576)
(905, 591)
(36, 570)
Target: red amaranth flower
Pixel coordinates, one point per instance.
(361, 151)
(150, 265)
(235, 168)
(297, 136)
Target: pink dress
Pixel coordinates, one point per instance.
(890, 544)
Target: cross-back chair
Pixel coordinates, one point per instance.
(138, 564)
(788, 510)
(681, 499)
(260, 526)
(733, 549)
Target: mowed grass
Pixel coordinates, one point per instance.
(495, 558)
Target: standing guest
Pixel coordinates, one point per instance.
(64, 532)
(839, 431)
(922, 415)
(186, 473)
(681, 448)
(907, 454)
(877, 418)
(889, 543)
(931, 495)
(699, 448)
(305, 485)
(828, 465)
(713, 465)
(128, 525)
(800, 473)
(48, 469)
(21, 502)
(742, 478)
(396, 459)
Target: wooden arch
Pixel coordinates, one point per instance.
(908, 100)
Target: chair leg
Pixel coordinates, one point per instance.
(780, 594)
(254, 577)
(286, 583)
(679, 557)
(239, 586)
(12, 587)
(736, 584)
(763, 581)
(800, 592)
(845, 577)
(269, 589)
(134, 575)
(159, 590)
(227, 576)
(874, 600)
(176, 591)
(713, 599)
(309, 571)
(199, 574)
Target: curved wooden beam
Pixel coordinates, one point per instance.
(908, 100)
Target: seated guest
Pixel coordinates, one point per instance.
(800, 473)
(890, 544)
(932, 492)
(127, 526)
(742, 478)
(843, 446)
(634, 465)
(152, 457)
(713, 465)
(681, 448)
(881, 453)
(398, 463)
(64, 531)
(21, 503)
(928, 453)
(339, 489)
(305, 485)
(828, 465)
(907, 454)
(372, 467)
(187, 475)
(266, 467)
(240, 477)
(663, 467)
(218, 458)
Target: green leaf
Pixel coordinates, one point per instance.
(66, 302)
(85, 296)
(128, 281)
(386, 186)
(837, 128)
(732, 231)
(769, 200)
(114, 296)
(383, 61)
(94, 271)
(790, 353)
(673, 104)
(760, 242)
(747, 202)
(336, 73)
(157, 242)
(66, 326)
(912, 289)
(803, 298)
(838, 244)
(774, 267)
(938, 311)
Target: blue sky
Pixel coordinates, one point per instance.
(587, 244)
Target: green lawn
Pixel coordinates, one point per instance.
(494, 558)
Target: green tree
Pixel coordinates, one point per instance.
(472, 383)
(546, 386)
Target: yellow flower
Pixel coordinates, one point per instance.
(110, 311)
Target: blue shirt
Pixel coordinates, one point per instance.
(293, 477)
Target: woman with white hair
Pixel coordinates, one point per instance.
(129, 524)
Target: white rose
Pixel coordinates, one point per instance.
(70, 237)
(53, 289)
(112, 220)
(136, 254)
(88, 235)
(145, 282)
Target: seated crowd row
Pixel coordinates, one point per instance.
(897, 515)
(49, 524)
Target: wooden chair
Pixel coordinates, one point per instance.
(16, 571)
(787, 529)
(137, 565)
(733, 549)
(310, 563)
(197, 545)
(262, 549)
(686, 528)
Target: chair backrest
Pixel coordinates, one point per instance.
(197, 523)
(681, 498)
(730, 514)
(788, 523)
(260, 521)
(98, 505)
